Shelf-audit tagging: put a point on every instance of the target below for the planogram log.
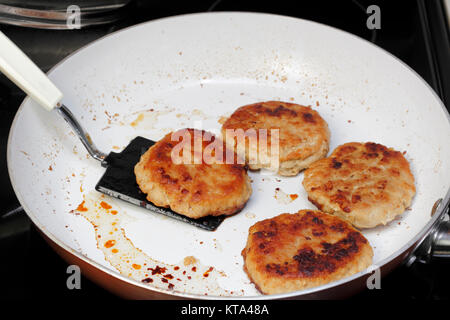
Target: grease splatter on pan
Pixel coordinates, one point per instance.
(108, 220)
(284, 198)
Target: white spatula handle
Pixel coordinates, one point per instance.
(24, 73)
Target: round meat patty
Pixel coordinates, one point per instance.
(187, 181)
(302, 134)
(306, 249)
(366, 184)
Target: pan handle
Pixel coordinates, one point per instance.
(436, 245)
(25, 74)
(83, 135)
(441, 244)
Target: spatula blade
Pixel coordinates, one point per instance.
(119, 181)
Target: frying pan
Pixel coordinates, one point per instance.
(191, 71)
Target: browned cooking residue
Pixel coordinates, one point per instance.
(161, 271)
(113, 249)
(157, 270)
(136, 266)
(138, 119)
(109, 243)
(206, 274)
(105, 205)
(189, 260)
(88, 137)
(81, 207)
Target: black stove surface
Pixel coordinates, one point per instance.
(414, 31)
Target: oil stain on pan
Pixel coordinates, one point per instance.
(187, 276)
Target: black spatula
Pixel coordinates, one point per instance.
(119, 180)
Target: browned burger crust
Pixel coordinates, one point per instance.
(309, 248)
(366, 184)
(193, 190)
(303, 134)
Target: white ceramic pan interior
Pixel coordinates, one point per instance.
(189, 71)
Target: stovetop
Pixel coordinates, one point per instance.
(414, 31)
